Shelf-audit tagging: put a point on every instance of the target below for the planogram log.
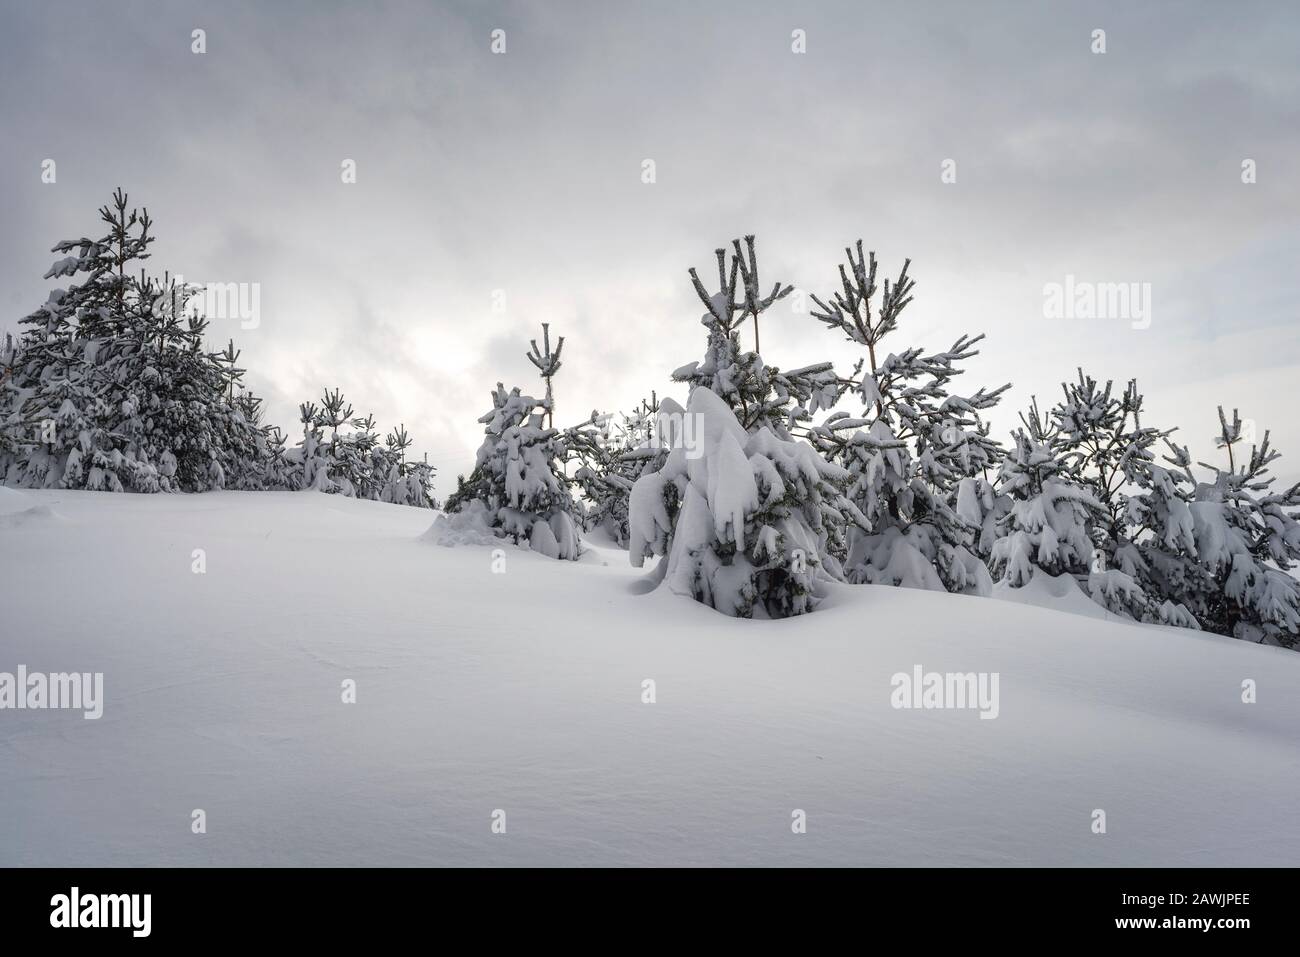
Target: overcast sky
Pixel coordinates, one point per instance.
(522, 172)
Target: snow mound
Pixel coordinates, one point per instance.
(1058, 592)
(12, 500)
(523, 690)
(19, 509)
(470, 526)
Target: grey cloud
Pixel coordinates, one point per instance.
(521, 172)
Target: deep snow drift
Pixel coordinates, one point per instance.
(522, 691)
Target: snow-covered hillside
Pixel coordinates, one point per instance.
(522, 691)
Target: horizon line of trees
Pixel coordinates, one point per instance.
(110, 388)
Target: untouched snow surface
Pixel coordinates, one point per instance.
(522, 692)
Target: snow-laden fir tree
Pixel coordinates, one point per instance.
(261, 464)
(402, 482)
(919, 456)
(1109, 452)
(8, 359)
(1176, 587)
(182, 406)
(57, 403)
(114, 390)
(1246, 544)
(607, 471)
(982, 507)
(748, 519)
(328, 458)
(309, 460)
(1049, 525)
(604, 490)
(518, 482)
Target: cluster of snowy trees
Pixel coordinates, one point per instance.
(111, 388)
(342, 453)
(762, 488)
(767, 484)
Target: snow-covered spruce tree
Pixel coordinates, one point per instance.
(1049, 525)
(518, 480)
(1109, 452)
(8, 359)
(1247, 544)
(748, 518)
(609, 467)
(329, 459)
(115, 390)
(185, 409)
(262, 463)
(403, 482)
(597, 476)
(309, 459)
(920, 458)
(356, 455)
(982, 507)
(1160, 523)
(58, 405)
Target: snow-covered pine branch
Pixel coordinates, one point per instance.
(1048, 527)
(758, 394)
(548, 364)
